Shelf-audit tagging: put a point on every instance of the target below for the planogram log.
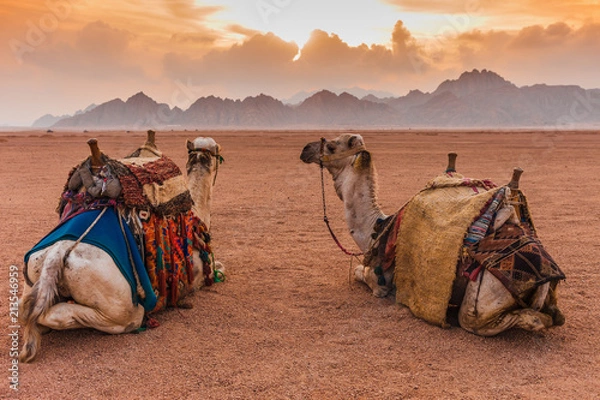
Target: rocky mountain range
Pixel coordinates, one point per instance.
(475, 99)
(48, 120)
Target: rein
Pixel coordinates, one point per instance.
(322, 158)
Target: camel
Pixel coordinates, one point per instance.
(487, 307)
(99, 295)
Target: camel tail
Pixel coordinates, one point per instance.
(43, 296)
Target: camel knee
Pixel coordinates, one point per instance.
(359, 273)
(73, 316)
(368, 276)
(527, 319)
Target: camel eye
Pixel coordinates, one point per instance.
(331, 148)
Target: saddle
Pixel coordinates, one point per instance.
(156, 204)
(443, 237)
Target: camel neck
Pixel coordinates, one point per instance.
(200, 186)
(358, 193)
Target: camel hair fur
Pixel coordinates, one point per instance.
(102, 297)
(487, 308)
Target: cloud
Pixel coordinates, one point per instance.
(256, 64)
(536, 36)
(553, 54)
(187, 9)
(98, 51)
(325, 61)
(196, 38)
(433, 6)
(238, 29)
(553, 9)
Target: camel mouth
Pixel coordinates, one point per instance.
(310, 153)
(200, 157)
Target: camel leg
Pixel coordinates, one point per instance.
(73, 316)
(367, 275)
(488, 309)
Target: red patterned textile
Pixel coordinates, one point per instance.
(168, 245)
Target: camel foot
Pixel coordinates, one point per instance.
(532, 320)
(558, 318)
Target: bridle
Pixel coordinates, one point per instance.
(327, 158)
(218, 159)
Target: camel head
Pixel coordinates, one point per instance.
(202, 151)
(339, 153)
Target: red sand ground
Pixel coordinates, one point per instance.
(289, 323)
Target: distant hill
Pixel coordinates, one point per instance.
(139, 111)
(476, 99)
(48, 120)
(354, 91)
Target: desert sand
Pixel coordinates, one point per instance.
(289, 322)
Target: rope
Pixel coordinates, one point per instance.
(83, 235)
(218, 160)
(140, 291)
(326, 220)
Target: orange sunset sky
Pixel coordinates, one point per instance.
(58, 56)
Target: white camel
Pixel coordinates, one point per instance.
(487, 309)
(101, 296)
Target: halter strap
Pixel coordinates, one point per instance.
(338, 156)
(218, 159)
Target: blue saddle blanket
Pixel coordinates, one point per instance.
(108, 236)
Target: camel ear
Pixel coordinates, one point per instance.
(363, 161)
(354, 141)
(190, 145)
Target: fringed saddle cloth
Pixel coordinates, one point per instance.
(157, 206)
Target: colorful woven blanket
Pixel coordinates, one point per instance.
(155, 194)
(168, 245)
(108, 236)
(153, 184)
(517, 259)
(513, 254)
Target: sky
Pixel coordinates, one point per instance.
(59, 56)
